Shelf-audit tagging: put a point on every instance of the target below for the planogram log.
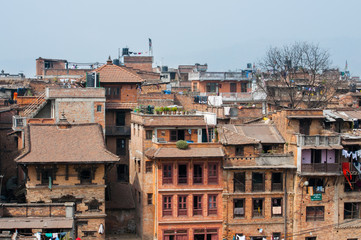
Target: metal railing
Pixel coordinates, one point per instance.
(33, 106)
(117, 130)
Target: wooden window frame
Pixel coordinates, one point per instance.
(212, 204)
(167, 205)
(198, 206)
(314, 216)
(182, 180)
(182, 205)
(276, 186)
(256, 188)
(213, 173)
(261, 213)
(198, 179)
(234, 207)
(272, 206)
(167, 169)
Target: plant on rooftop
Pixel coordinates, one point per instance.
(166, 109)
(174, 109)
(181, 144)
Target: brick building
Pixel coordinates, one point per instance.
(178, 192)
(258, 182)
(66, 162)
(325, 204)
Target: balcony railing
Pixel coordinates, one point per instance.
(318, 140)
(321, 168)
(117, 130)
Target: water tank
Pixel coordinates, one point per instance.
(164, 68)
(116, 62)
(249, 65)
(125, 52)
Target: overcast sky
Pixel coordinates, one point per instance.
(225, 34)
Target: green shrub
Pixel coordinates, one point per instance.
(174, 109)
(181, 144)
(166, 109)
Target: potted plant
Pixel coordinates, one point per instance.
(181, 144)
(166, 110)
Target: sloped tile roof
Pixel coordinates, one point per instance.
(110, 73)
(80, 143)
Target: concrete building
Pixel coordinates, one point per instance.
(178, 192)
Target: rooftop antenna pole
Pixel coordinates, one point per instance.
(119, 54)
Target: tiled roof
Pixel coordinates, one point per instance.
(117, 105)
(110, 73)
(249, 134)
(79, 143)
(191, 152)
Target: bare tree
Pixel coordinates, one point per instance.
(298, 75)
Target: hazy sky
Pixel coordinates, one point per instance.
(226, 34)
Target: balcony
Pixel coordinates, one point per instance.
(319, 141)
(117, 130)
(321, 168)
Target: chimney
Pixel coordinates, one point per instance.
(109, 61)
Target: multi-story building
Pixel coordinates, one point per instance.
(66, 162)
(258, 182)
(178, 191)
(325, 203)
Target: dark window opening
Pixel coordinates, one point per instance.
(355, 183)
(48, 64)
(212, 87)
(120, 118)
(315, 213)
(85, 176)
(99, 108)
(276, 236)
(121, 147)
(176, 135)
(47, 176)
(182, 174)
(239, 151)
(238, 209)
(317, 184)
(277, 182)
(239, 182)
(197, 205)
(352, 210)
(257, 210)
(122, 173)
(93, 205)
(233, 87)
(305, 126)
(257, 182)
(150, 198)
(243, 87)
(148, 167)
(197, 173)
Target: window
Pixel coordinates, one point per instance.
(121, 147)
(244, 87)
(175, 235)
(233, 87)
(276, 207)
(257, 182)
(47, 176)
(148, 134)
(138, 165)
(195, 86)
(48, 64)
(197, 205)
(85, 176)
(99, 108)
(310, 238)
(148, 167)
(120, 118)
(239, 182)
(277, 183)
(212, 204)
(112, 92)
(150, 198)
(212, 173)
(238, 208)
(352, 210)
(315, 213)
(167, 205)
(205, 234)
(93, 205)
(198, 173)
(317, 184)
(276, 236)
(182, 205)
(182, 174)
(212, 87)
(167, 174)
(176, 135)
(355, 183)
(257, 210)
(122, 173)
(239, 151)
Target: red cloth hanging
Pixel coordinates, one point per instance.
(346, 170)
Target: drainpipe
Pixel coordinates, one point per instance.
(285, 196)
